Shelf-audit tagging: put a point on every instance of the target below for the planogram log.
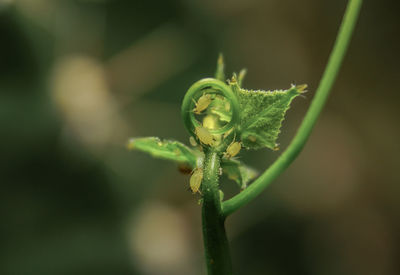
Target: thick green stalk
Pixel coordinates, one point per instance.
(298, 142)
(215, 241)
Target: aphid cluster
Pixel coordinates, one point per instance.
(203, 136)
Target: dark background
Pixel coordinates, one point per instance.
(78, 78)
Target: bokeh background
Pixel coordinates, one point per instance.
(79, 77)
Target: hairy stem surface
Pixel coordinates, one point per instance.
(215, 241)
(298, 142)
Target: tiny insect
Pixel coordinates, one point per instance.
(202, 103)
(192, 141)
(196, 179)
(209, 122)
(233, 149)
(252, 138)
(301, 87)
(204, 135)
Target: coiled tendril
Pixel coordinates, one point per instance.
(208, 86)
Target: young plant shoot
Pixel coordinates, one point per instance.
(223, 120)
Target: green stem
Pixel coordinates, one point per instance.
(298, 142)
(215, 241)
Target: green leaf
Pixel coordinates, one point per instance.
(166, 149)
(237, 171)
(262, 114)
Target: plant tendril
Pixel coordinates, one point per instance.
(209, 86)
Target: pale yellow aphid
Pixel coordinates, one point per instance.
(209, 122)
(192, 141)
(302, 87)
(196, 179)
(204, 135)
(233, 149)
(252, 138)
(202, 103)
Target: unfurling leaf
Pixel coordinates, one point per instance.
(166, 149)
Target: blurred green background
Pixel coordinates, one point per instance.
(78, 78)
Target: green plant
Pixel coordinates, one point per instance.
(223, 118)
